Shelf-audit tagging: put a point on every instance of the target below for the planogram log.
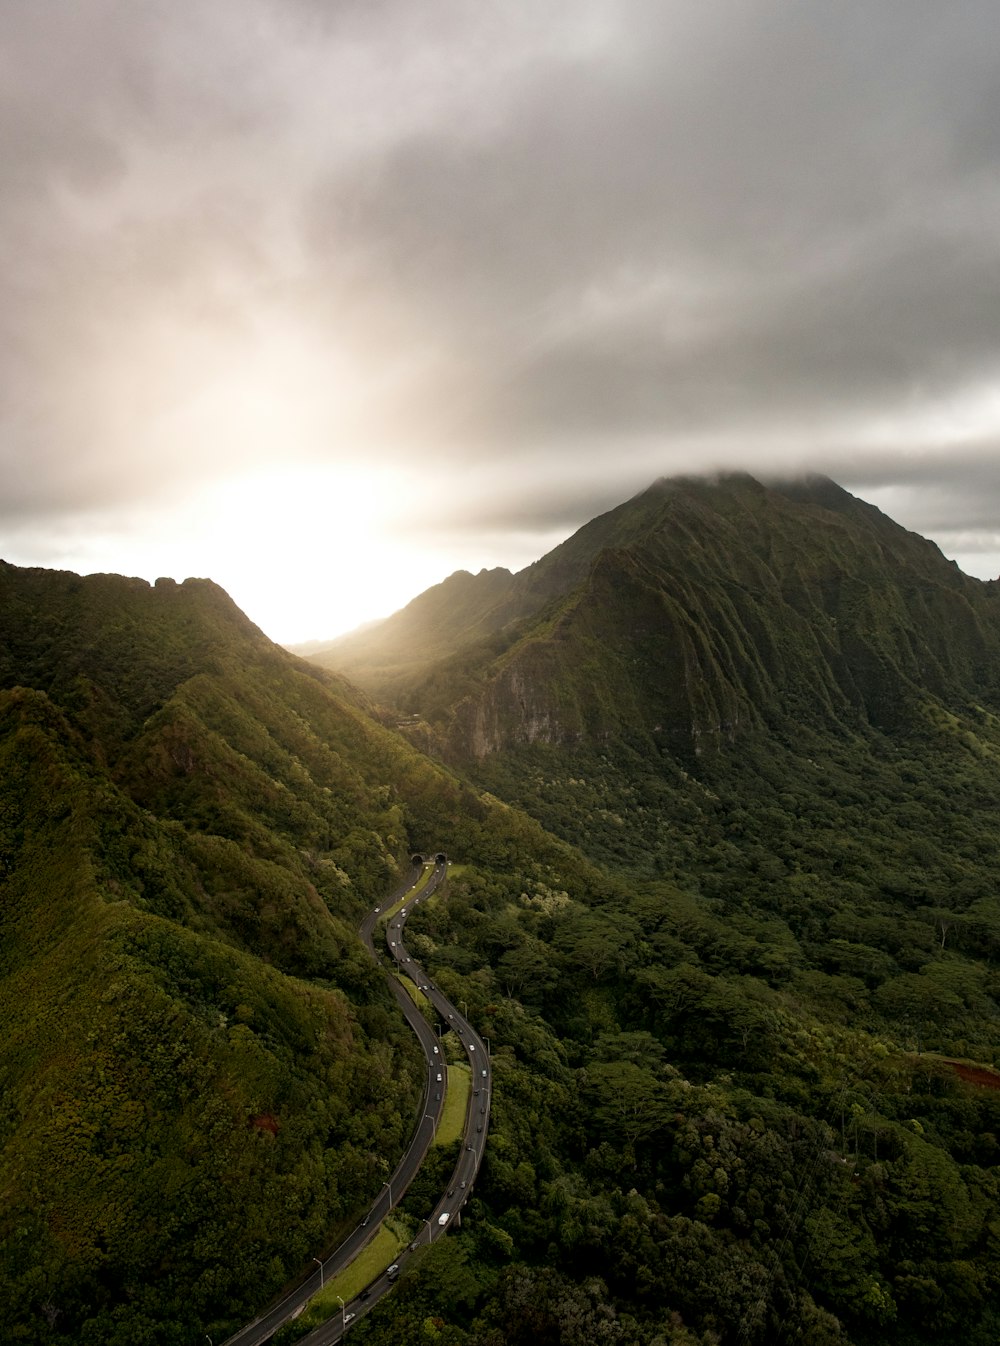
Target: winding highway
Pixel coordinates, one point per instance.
(448, 1209)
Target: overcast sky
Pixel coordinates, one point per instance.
(327, 298)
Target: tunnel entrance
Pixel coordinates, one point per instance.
(441, 858)
(418, 859)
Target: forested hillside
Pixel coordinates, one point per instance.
(721, 792)
(204, 1077)
(701, 613)
(749, 1094)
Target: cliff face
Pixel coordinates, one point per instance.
(703, 611)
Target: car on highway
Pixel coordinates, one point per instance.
(443, 1218)
(393, 1271)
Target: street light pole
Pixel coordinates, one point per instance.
(320, 1265)
(343, 1312)
(433, 1122)
(389, 1185)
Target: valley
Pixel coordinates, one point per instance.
(719, 778)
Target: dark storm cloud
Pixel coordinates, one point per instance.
(805, 220)
(586, 244)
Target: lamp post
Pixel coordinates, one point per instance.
(320, 1265)
(343, 1312)
(433, 1122)
(389, 1185)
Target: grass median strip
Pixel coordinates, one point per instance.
(414, 992)
(456, 1103)
(410, 894)
(393, 1235)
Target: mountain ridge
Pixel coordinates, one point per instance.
(795, 589)
(724, 897)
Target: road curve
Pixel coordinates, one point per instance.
(476, 1121)
(474, 1139)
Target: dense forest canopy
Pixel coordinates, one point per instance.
(720, 777)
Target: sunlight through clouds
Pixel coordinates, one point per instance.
(440, 283)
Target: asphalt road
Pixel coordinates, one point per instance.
(476, 1123)
(474, 1140)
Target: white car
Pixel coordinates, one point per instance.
(444, 1218)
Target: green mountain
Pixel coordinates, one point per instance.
(771, 716)
(695, 615)
(719, 777)
(205, 1079)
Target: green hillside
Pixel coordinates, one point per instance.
(205, 1078)
(721, 788)
(700, 613)
(749, 1091)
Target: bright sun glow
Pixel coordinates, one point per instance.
(308, 551)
